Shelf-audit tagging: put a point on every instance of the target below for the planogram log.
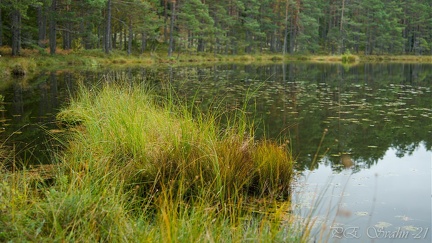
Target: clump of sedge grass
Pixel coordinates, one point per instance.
(17, 66)
(154, 144)
(349, 58)
(138, 167)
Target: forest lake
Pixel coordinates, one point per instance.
(361, 135)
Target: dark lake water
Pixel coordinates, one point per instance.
(361, 135)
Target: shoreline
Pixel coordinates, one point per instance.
(31, 62)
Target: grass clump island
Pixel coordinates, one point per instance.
(139, 167)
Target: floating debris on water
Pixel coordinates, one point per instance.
(361, 213)
(382, 224)
(403, 217)
(410, 228)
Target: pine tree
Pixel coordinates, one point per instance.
(196, 24)
(17, 10)
(308, 35)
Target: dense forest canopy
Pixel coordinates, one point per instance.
(219, 26)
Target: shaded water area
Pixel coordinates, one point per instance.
(361, 135)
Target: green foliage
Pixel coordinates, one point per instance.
(96, 3)
(308, 36)
(21, 6)
(229, 27)
(195, 17)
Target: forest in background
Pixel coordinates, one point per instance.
(227, 27)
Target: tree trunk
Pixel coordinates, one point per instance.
(201, 45)
(165, 20)
(125, 37)
(143, 42)
(52, 28)
(121, 39)
(190, 40)
(100, 34)
(171, 34)
(42, 21)
(16, 32)
(67, 39)
(274, 40)
(285, 44)
(114, 41)
(130, 38)
(216, 47)
(342, 50)
(248, 48)
(83, 34)
(1, 27)
(294, 27)
(86, 35)
(107, 38)
(292, 37)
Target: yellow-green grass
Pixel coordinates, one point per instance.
(143, 168)
(345, 59)
(159, 144)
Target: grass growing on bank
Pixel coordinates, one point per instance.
(138, 167)
(31, 60)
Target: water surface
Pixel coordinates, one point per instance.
(387, 201)
(363, 133)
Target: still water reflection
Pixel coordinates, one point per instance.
(393, 195)
(375, 119)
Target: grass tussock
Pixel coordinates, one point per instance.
(138, 167)
(349, 58)
(157, 144)
(344, 59)
(17, 67)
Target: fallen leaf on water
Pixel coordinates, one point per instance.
(361, 213)
(382, 224)
(403, 217)
(410, 228)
